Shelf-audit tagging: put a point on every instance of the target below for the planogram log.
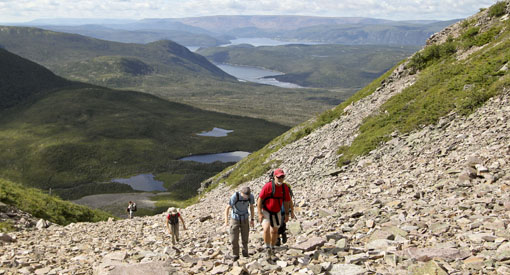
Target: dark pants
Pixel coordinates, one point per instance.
(237, 227)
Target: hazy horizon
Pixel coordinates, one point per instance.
(24, 11)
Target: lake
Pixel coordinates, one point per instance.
(253, 74)
(263, 41)
(223, 157)
(216, 132)
(143, 182)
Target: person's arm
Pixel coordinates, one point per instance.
(252, 215)
(286, 203)
(292, 215)
(167, 226)
(227, 212)
(183, 226)
(259, 209)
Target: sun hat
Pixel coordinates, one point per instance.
(171, 210)
(278, 173)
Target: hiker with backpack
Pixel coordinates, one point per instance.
(272, 197)
(239, 203)
(172, 223)
(130, 209)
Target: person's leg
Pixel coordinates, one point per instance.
(266, 231)
(177, 232)
(245, 233)
(284, 232)
(173, 233)
(234, 236)
(277, 220)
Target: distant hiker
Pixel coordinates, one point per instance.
(273, 195)
(130, 209)
(172, 223)
(282, 230)
(239, 203)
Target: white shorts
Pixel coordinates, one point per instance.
(275, 223)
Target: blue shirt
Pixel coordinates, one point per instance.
(240, 208)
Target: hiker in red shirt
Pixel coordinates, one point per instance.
(273, 195)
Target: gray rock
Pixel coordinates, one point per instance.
(6, 238)
(347, 269)
(311, 244)
(426, 254)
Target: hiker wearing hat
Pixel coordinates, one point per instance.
(239, 203)
(272, 197)
(172, 223)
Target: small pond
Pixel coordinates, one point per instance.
(216, 132)
(223, 157)
(143, 182)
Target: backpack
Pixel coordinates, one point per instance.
(273, 214)
(173, 218)
(133, 207)
(239, 199)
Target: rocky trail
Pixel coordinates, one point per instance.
(435, 201)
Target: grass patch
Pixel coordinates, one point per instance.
(6, 227)
(47, 207)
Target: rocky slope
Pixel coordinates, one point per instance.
(434, 201)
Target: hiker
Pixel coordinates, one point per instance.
(239, 203)
(273, 195)
(130, 209)
(282, 230)
(172, 223)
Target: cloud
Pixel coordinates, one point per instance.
(25, 10)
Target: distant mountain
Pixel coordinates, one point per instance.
(59, 51)
(228, 23)
(333, 30)
(142, 36)
(74, 137)
(367, 34)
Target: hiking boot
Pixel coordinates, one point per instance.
(246, 254)
(269, 253)
(284, 238)
(233, 257)
(278, 242)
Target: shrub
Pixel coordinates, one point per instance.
(497, 9)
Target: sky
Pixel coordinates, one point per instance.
(26, 10)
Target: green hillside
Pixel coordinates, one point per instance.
(71, 137)
(46, 207)
(15, 88)
(449, 79)
(325, 66)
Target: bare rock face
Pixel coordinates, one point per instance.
(434, 201)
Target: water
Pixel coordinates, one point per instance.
(262, 41)
(253, 74)
(216, 132)
(223, 157)
(193, 48)
(143, 182)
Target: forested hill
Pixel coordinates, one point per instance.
(56, 50)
